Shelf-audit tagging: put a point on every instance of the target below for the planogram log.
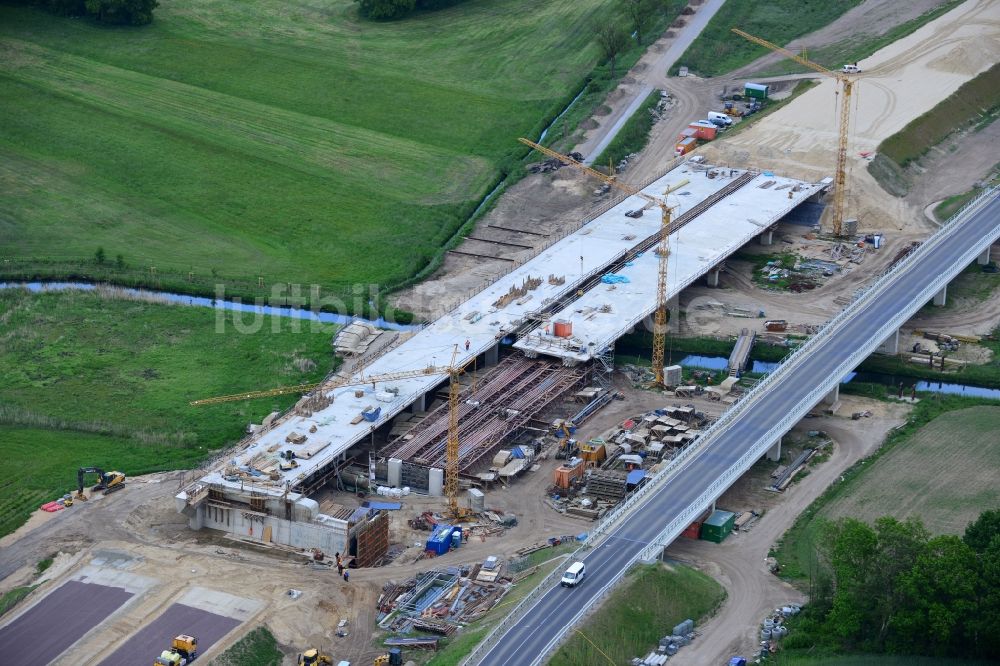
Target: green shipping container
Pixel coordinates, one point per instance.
(718, 526)
(756, 90)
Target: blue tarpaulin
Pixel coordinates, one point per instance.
(635, 476)
(388, 506)
(614, 278)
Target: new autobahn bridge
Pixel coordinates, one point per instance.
(652, 518)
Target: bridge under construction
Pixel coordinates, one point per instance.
(565, 307)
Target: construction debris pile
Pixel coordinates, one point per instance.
(552, 164)
(669, 645)
(598, 474)
(440, 601)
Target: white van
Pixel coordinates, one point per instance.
(715, 118)
(851, 69)
(574, 574)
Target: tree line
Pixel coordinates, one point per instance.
(118, 12)
(386, 10)
(895, 589)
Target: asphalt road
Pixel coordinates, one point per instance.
(62, 618)
(528, 641)
(146, 644)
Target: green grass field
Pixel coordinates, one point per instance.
(717, 50)
(258, 648)
(939, 467)
(260, 138)
(630, 623)
(945, 474)
(90, 380)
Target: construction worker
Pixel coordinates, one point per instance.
(468, 343)
(346, 575)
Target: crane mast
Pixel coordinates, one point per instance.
(846, 85)
(663, 250)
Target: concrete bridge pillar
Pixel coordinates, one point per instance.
(891, 344)
(767, 238)
(984, 258)
(713, 277)
(941, 297)
(420, 404)
(493, 355)
(774, 453)
(833, 396)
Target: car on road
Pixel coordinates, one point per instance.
(574, 574)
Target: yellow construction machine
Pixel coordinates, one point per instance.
(313, 657)
(109, 482)
(182, 651)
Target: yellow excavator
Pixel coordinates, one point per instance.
(109, 482)
(313, 657)
(182, 651)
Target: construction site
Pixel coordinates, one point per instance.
(491, 373)
(408, 494)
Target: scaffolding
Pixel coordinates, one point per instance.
(502, 402)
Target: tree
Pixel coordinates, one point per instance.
(980, 533)
(99, 255)
(985, 625)
(385, 9)
(640, 14)
(851, 547)
(940, 598)
(125, 12)
(612, 40)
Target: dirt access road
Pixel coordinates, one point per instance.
(738, 563)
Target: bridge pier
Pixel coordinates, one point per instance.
(984, 258)
(493, 355)
(420, 404)
(767, 238)
(891, 344)
(773, 453)
(713, 277)
(941, 297)
(833, 396)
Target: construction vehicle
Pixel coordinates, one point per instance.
(109, 482)
(313, 657)
(183, 650)
(454, 370)
(662, 251)
(846, 79)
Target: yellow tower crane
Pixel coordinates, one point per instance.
(660, 318)
(847, 86)
(453, 370)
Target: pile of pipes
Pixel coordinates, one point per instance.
(773, 628)
(440, 601)
(669, 645)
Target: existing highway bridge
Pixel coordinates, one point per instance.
(652, 518)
